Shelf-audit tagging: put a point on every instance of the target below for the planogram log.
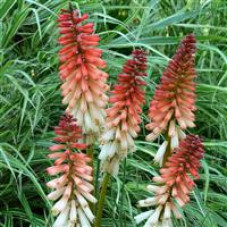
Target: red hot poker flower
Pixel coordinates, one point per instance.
(83, 85)
(175, 97)
(123, 117)
(174, 183)
(128, 95)
(73, 186)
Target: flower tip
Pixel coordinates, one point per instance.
(190, 36)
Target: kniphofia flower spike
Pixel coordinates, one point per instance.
(83, 85)
(173, 105)
(123, 117)
(71, 188)
(172, 187)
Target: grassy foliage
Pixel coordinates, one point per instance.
(30, 101)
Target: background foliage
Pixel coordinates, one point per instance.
(30, 100)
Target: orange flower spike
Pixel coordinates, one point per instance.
(72, 189)
(123, 118)
(174, 184)
(83, 85)
(174, 99)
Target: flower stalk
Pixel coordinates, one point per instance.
(101, 201)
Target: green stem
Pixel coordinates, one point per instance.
(122, 214)
(97, 179)
(96, 183)
(90, 153)
(168, 150)
(102, 200)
